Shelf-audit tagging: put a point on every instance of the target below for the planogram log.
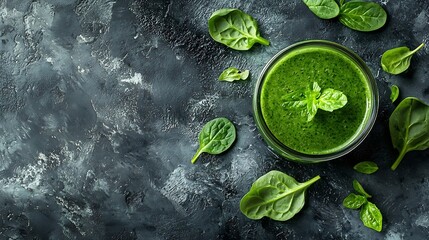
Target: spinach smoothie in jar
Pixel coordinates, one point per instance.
(302, 77)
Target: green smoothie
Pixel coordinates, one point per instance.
(328, 132)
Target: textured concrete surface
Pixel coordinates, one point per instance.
(101, 103)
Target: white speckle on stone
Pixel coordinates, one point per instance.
(202, 107)
(42, 157)
(178, 189)
(41, 16)
(50, 122)
(85, 39)
(242, 164)
(75, 213)
(421, 21)
(423, 221)
(82, 70)
(101, 185)
(136, 79)
(106, 61)
(385, 2)
(393, 235)
(30, 177)
(116, 63)
(170, 121)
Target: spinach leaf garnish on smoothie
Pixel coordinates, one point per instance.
(314, 98)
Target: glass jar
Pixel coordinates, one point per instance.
(368, 121)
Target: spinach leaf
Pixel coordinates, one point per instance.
(397, 60)
(275, 195)
(331, 100)
(216, 137)
(354, 201)
(362, 16)
(231, 74)
(358, 188)
(394, 94)
(235, 29)
(325, 9)
(409, 127)
(366, 167)
(294, 100)
(312, 94)
(371, 216)
(312, 99)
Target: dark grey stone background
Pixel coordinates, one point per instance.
(102, 101)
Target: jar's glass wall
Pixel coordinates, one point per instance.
(291, 154)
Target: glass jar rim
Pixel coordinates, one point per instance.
(294, 155)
